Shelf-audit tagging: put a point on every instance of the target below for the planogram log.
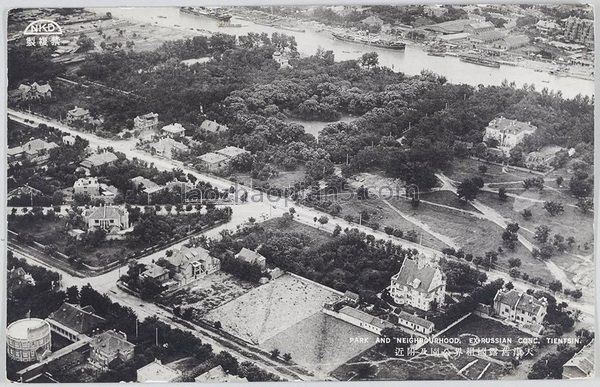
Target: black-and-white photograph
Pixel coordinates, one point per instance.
(300, 193)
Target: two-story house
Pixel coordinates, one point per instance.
(420, 283)
(108, 347)
(109, 218)
(148, 121)
(191, 264)
(507, 133)
(521, 308)
(87, 185)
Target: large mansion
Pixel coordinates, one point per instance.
(109, 218)
(508, 133)
(420, 283)
(521, 308)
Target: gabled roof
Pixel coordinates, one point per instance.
(78, 112)
(520, 301)
(232, 151)
(148, 184)
(99, 159)
(365, 317)
(155, 372)
(581, 365)
(419, 277)
(154, 271)
(110, 343)
(80, 319)
(213, 158)
(38, 144)
(212, 126)
(175, 128)
(186, 255)
(250, 256)
(351, 295)
(510, 126)
(415, 320)
(105, 212)
(217, 375)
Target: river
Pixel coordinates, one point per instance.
(411, 61)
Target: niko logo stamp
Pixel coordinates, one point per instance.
(43, 33)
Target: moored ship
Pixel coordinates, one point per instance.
(480, 61)
(203, 11)
(377, 42)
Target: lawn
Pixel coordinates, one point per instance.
(473, 234)
(272, 308)
(321, 343)
(466, 168)
(380, 213)
(282, 180)
(209, 293)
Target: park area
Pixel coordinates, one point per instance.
(272, 308)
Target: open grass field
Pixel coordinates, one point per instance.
(209, 293)
(380, 213)
(420, 367)
(321, 343)
(272, 308)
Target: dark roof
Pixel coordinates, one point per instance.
(365, 317)
(81, 320)
(351, 295)
(111, 343)
(415, 320)
(520, 301)
(581, 365)
(415, 276)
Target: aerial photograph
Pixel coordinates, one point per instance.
(299, 193)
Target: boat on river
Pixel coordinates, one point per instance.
(375, 42)
(480, 61)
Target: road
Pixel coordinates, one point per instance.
(259, 206)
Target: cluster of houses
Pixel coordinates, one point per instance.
(220, 159)
(35, 150)
(30, 92)
(82, 116)
(420, 287)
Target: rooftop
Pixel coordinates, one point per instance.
(511, 126)
(213, 126)
(105, 212)
(581, 364)
(78, 112)
(365, 317)
(79, 319)
(213, 158)
(157, 372)
(218, 374)
(99, 159)
(419, 277)
(173, 128)
(232, 151)
(249, 255)
(111, 343)
(415, 320)
(27, 328)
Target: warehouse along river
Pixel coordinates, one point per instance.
(411, 61)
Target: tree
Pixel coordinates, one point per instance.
(576, 294)
(541, 233)
(559, 181)
(554, 208)
(526, 214)
(287, 357)
(555, 286)
(585, 204)
(510, 235)
(275, 353)
(468, 189)
(73, 295)
(369, 59)
(217, 325)
(502, 194)
(482, 169)
(323, 220)
(514, 262)
(85, 43)
(337, 230)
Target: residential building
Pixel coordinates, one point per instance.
(213, 126)
(16, 279)
(99, 159)
(143, 183)
(36, 150)
(542, 157)
(68, 140)
(351, 298)
(420, 283)
(174, 130)
(78, 114)
(281, 59)
(108, 347)
(156, 273)
(415, 323)
(157, 372)
(108, 218)
(252, 257)
(507, 133)
(579, 30)
(148, 121)
(34, 91)
(28, 340)
(486, 37)
(521, 308)
(546, 27)
(212, 161)
(218, 375)
(168, 147)
(231, 151)
(191, 264)
(73, 321)
(581, 365)
(357, 318)
(87, 185)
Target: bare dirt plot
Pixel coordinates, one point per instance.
(209, 293)
(316, 236)
(419, 367)
(321, 343)
(272, 308)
